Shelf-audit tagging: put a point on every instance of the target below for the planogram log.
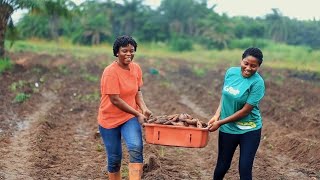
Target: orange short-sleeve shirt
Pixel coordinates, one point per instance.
(116, 80)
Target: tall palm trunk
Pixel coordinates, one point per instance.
(5, 14)
(54, 26)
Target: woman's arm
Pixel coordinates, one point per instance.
(247, 108)
(119, 103)
(140, 102)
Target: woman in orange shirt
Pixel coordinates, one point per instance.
(122, 109)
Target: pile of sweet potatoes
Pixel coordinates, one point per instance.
(183, 119)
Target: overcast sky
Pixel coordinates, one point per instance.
(299, 9)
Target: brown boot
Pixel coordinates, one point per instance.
(114, 176)
(135, 171)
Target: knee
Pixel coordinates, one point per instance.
(135, 154)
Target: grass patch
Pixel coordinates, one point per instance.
(17, 85)
(90, 78)
(99, 148)
(21, 97)
(5, 64)
(62, 47)
(63, 70)
(92, 97)
(275, 55)
(198, 71)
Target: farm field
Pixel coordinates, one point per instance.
(52, 134)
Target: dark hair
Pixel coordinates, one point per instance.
(123, 41)
(255, 52)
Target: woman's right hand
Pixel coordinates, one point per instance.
(141, 118)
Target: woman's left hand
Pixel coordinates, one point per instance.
(214, 126)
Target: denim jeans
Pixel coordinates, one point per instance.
(248, 142)
(130, 131)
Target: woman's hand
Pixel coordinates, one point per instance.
(141, 118)
(146, 112)
(214, 126)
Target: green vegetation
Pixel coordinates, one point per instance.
(276, 55)
(99, 148)
(188, 30)
(90, 78)
(92, 97)
(17, 85)
(199, 72)
(181, 25)
(125, 171)
(21, 97)
(63, 70)
(5, 64)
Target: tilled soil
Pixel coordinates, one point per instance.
(52, 135)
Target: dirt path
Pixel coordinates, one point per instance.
(17, 158)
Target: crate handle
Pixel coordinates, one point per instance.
(190, 137)
(158, 135)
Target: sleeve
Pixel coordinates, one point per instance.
(257, 92)
(110, 84)
(225, 78)
(140, 82)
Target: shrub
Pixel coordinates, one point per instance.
(248, 42)
(181, 44)
(5, 64)
(21, 97)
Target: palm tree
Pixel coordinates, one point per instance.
(217, 29)
(53, 9)
(7, 7)
(277, 26)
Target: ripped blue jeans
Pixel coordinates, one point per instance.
(130, 131)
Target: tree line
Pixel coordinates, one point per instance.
(178, 23)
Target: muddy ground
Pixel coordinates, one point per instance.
(52, 134)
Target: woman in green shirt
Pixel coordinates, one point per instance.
(238, 116)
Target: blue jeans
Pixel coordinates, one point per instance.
(249, 143)
(131, 133)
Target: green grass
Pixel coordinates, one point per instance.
(17, 85)
(275, 55)
(21, 97)
(5, 64)
(62, 47)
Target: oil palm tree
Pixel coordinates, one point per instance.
(7, 7)
(52, 8)
(277, 26)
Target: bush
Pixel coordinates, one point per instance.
(181, 44)
(248, 42)
(5, 64)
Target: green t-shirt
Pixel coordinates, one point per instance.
(236, 92)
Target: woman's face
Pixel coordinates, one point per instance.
(249, 66)
(126, 54)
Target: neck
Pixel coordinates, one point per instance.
(123, 66)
